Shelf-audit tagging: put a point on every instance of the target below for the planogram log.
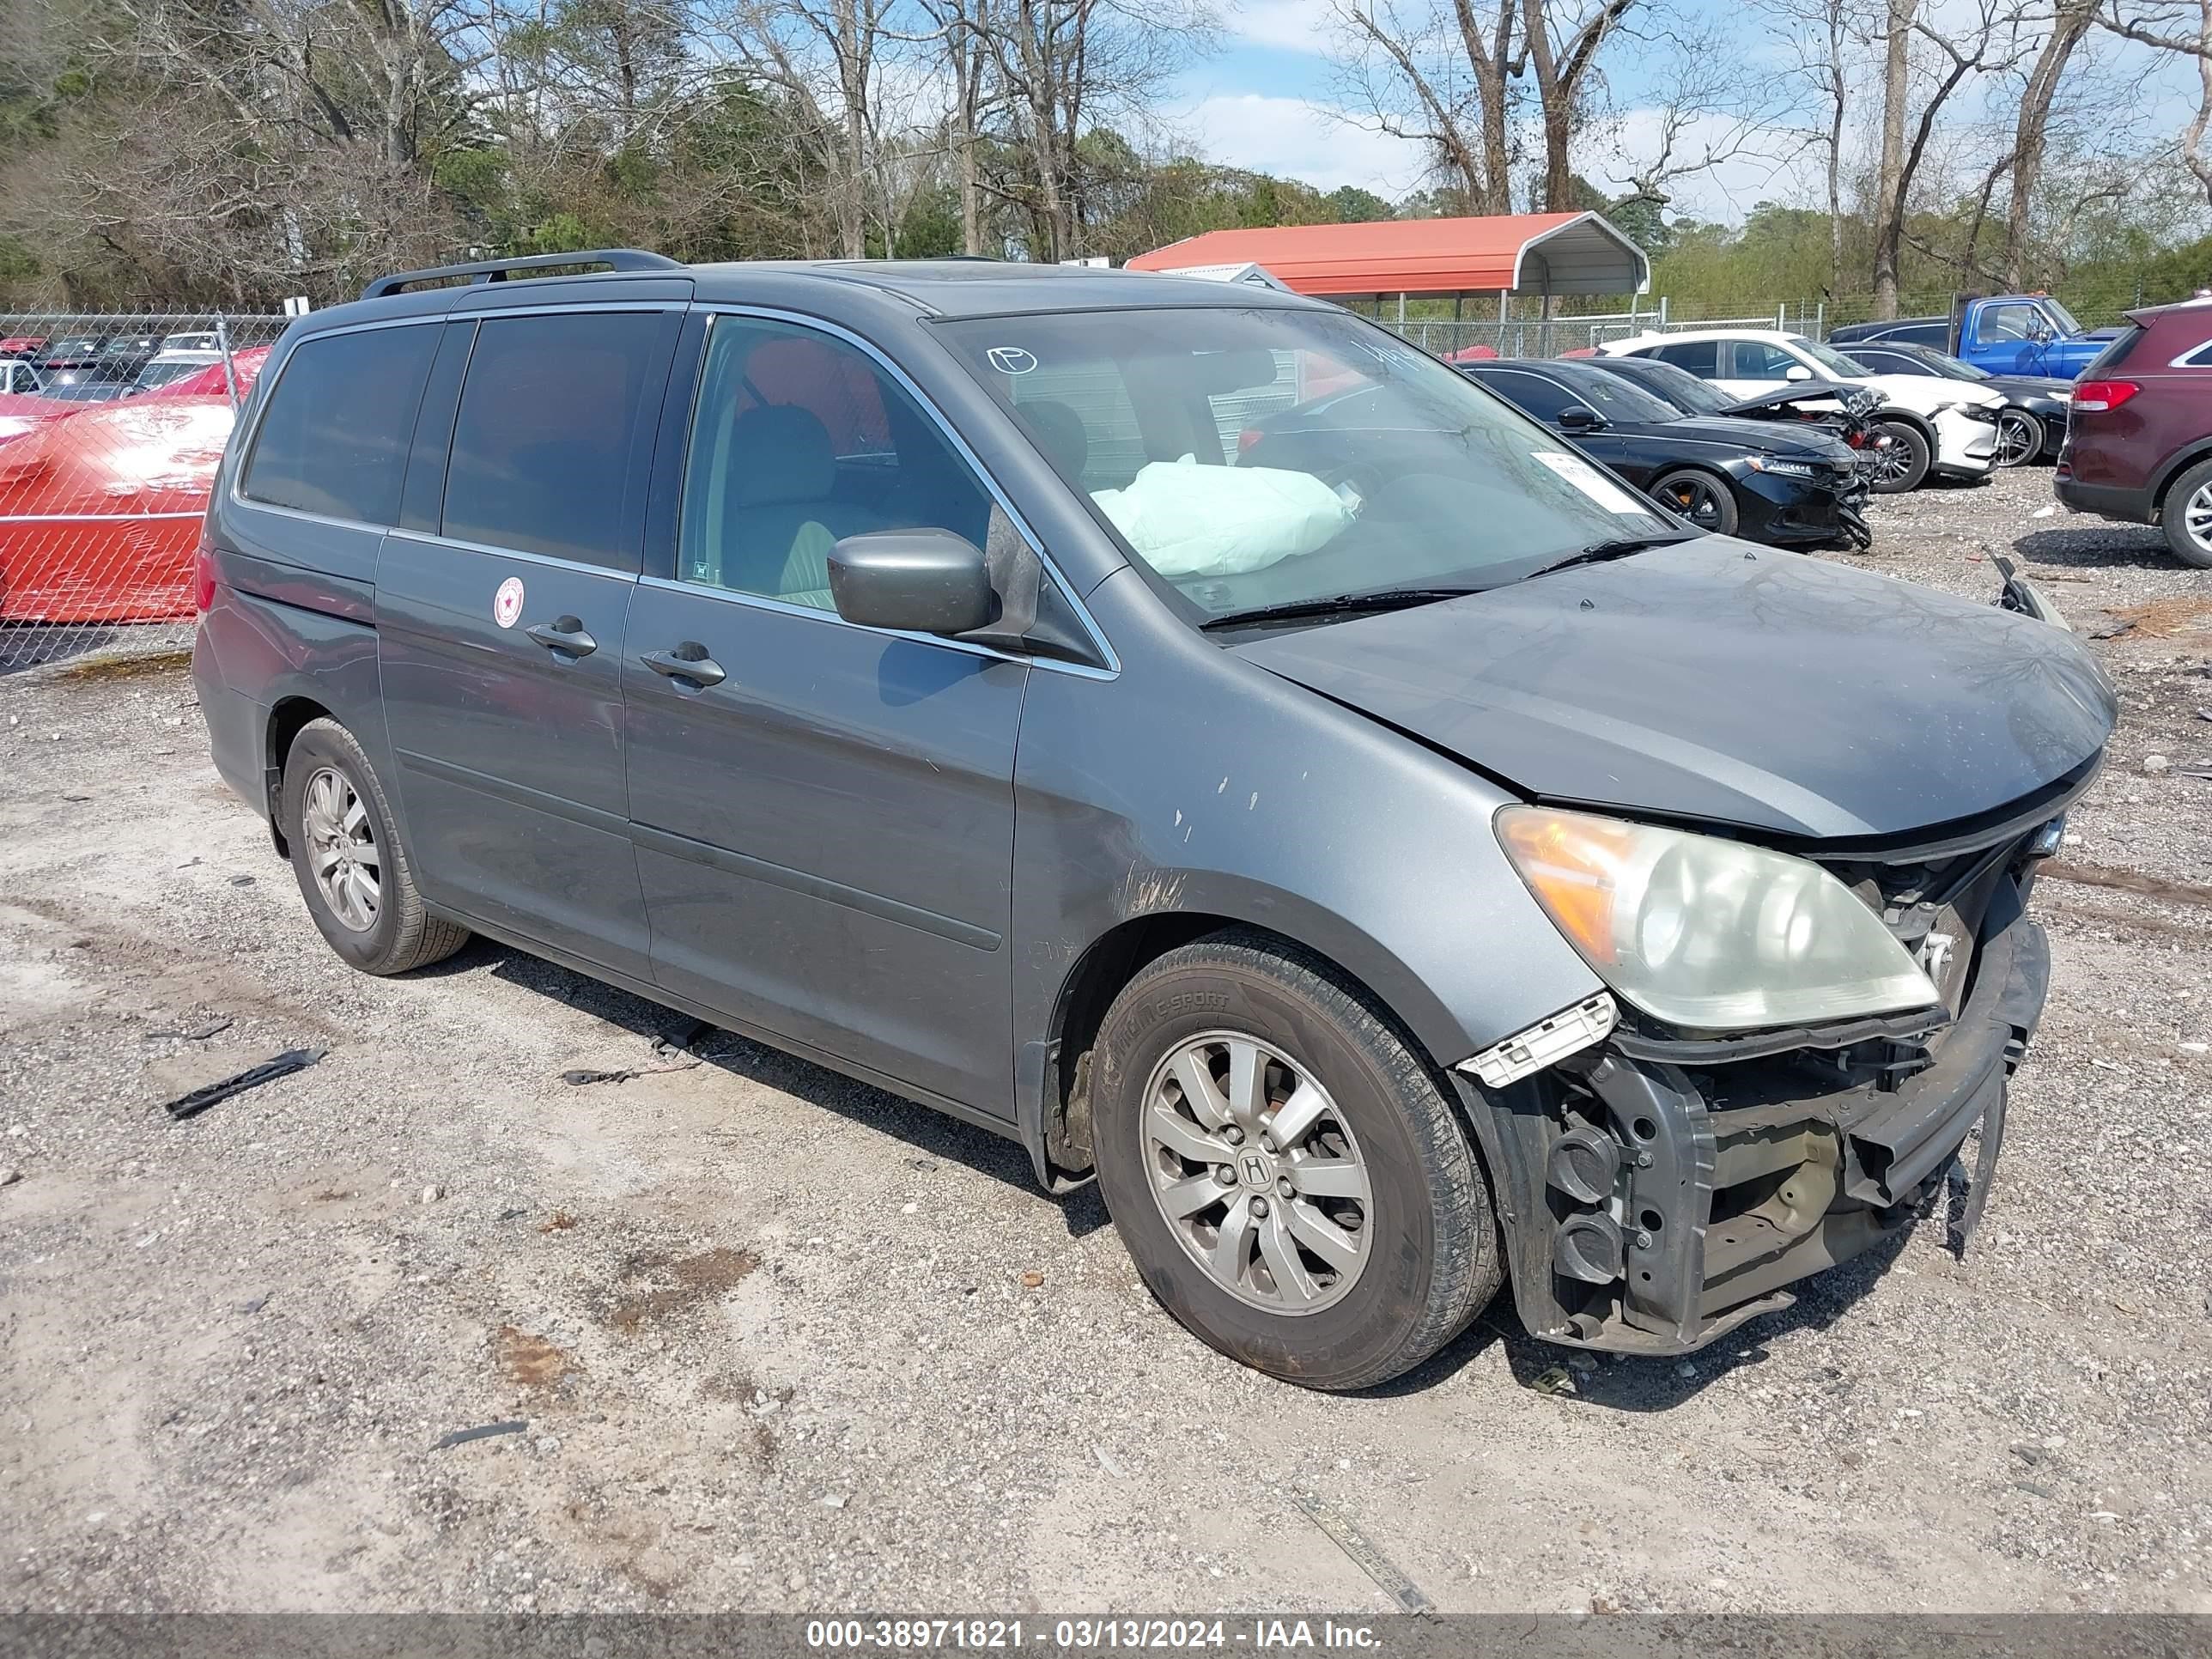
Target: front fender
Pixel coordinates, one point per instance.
(1198, 784)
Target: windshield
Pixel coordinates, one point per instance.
(1270, 457)
(155, 374)
(1956, 368)
(1677, 385)
(1828, 357)
(2062, 317)
(1613, 398)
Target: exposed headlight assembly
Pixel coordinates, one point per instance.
(1707, 934)
(1781, 469)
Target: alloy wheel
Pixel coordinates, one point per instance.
(2019, 438)
(2196, 517)
(342, 850)
(1698, 501)
(1891, 461)
(1257, 1173)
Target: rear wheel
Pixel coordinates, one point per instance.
(1698, 496)
(2019, 437)
(1285, 1171)
(2186, 516)
(1900, 458)
(347, 861)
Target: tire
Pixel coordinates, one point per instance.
(2191, 491)
(332, 803)
(1690, 492)
(2019, 437)
(1423, 1253)
(1910, 471)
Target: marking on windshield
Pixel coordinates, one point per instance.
(1012, 360)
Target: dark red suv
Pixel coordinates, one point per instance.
(2139, 437)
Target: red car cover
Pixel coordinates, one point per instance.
(100, 509)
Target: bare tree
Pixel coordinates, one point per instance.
(1563, 56)
(1987, 39)
(1439, 77)
(2070, 25)
(1067, 65)
(964, 41)
(2182, 28)
(1708, 112)
(1825, 44)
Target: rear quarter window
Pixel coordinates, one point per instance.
(334, 438)
(2115, 354)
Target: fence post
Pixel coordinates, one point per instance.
(1821, 319)
(229, 368)
(1662, 314)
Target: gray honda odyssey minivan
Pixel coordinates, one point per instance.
(1183, 728)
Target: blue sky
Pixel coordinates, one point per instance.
(1261, 103)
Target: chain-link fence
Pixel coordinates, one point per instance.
(111, 429)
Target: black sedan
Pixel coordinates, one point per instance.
(1786, 484)
(2032, 426)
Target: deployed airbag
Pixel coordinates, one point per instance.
(1185, 519)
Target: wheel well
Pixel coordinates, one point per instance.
(2197, 457)
(1906, 417)
(1113, 959)
(286, 721)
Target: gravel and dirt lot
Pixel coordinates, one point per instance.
(780, 1341)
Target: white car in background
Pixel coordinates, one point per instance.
(1948, 428)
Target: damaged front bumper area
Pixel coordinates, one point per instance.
(1657, 1193)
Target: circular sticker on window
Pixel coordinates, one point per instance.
(1012, 360)
(507, 603)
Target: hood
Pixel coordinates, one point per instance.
(1807, 438)
(1712, 680)
(1926, 393)
(1850, 395)
(2028, 385)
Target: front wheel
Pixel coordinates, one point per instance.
(1285, 1170)
(2019, 437)
(1900, 458)
(1698, 496)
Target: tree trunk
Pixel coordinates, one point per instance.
(2031, 128)
(1837, 94)
(1889, 181)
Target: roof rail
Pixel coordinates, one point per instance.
(501, 271)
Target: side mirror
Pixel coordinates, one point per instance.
(918, 582)
(1575, 418)
(1797, 372)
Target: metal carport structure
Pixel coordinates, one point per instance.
(1545, 254)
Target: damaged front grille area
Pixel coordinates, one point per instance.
(1679, 1184)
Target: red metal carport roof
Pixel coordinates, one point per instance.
(1522, 252)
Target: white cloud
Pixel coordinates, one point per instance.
(1285, 25)
(1294, 139)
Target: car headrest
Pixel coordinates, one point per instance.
(779, 453)
(1060, 433)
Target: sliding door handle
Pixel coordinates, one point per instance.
(701, 670)
(564, 634)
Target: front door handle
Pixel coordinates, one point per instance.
(701, 670)
(564, 634)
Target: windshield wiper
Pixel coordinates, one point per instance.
(1599, 552)
(1381, 599)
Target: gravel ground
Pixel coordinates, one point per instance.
(781, 1341)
